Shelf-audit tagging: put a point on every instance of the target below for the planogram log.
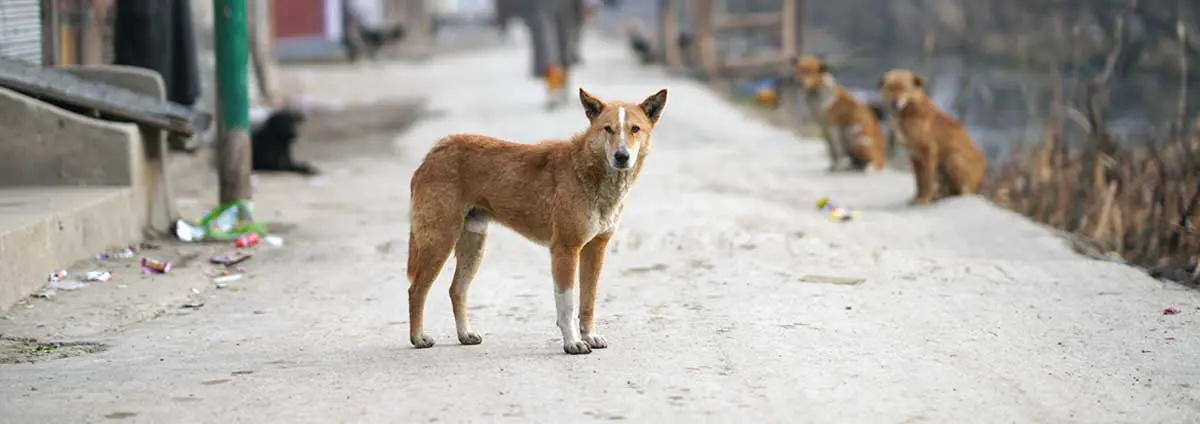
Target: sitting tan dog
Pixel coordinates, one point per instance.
(850, 127)
(942, 153)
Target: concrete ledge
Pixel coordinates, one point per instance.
(46, 228)
(148, 172)
(44, 145)
(72, 186)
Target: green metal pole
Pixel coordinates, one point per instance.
(232, 54)
(233, 102)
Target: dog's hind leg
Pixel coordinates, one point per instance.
(468, 253)
(435, 229)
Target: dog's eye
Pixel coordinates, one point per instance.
(634, 129)
(608, 129)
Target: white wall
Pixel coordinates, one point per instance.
(371, 11)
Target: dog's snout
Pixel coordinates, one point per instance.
(621, 158)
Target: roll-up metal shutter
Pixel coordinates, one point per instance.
(21, 29)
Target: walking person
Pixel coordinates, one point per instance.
(552, 25)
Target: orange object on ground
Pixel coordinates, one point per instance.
(766, 97)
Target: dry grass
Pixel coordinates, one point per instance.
(1134, 198)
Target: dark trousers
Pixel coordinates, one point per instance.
(157, 35)
(554, 30)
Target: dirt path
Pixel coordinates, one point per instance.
(967, 313)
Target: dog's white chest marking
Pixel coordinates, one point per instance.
(899, 134)
(604, 221)
(606, 213)
(820, 100)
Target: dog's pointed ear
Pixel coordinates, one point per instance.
(653, 105)
(918, 81)
(882, 80)
(591, 105)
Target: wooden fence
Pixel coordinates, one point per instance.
(711, 20)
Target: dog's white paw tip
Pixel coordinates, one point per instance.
(470, 338)
(421, 341)
(577, 348)
(596, 341)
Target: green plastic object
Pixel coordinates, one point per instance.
(223, 223)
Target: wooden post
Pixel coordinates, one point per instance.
(705, 37)
(788, 28)
(790, 31)
(260, 50)
(419, 18)
(669, 34)
(798, 20)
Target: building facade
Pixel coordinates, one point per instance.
(21, 34)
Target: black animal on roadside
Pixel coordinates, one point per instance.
(645, 52)
(642, 49)
(273, 140)
(376, 39)
(361, 41)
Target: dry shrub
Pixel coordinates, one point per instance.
(1136, 199)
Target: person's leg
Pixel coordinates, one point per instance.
(564, 29)
(579, 14)
(531, 14)
(557, 43)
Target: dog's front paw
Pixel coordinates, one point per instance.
(421, 342)
(577, 348)
(470, 338)
(595, 341)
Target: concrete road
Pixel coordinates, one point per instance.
(968, 313)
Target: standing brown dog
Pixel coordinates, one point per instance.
(850, 128)
(566, 195)
(942, 153)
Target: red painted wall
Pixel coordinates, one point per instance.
(299, 18)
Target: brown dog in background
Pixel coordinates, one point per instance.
(850, 128)
(945, 160)
(566, 195)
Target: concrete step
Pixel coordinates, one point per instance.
(72, 185)
(44, 227)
